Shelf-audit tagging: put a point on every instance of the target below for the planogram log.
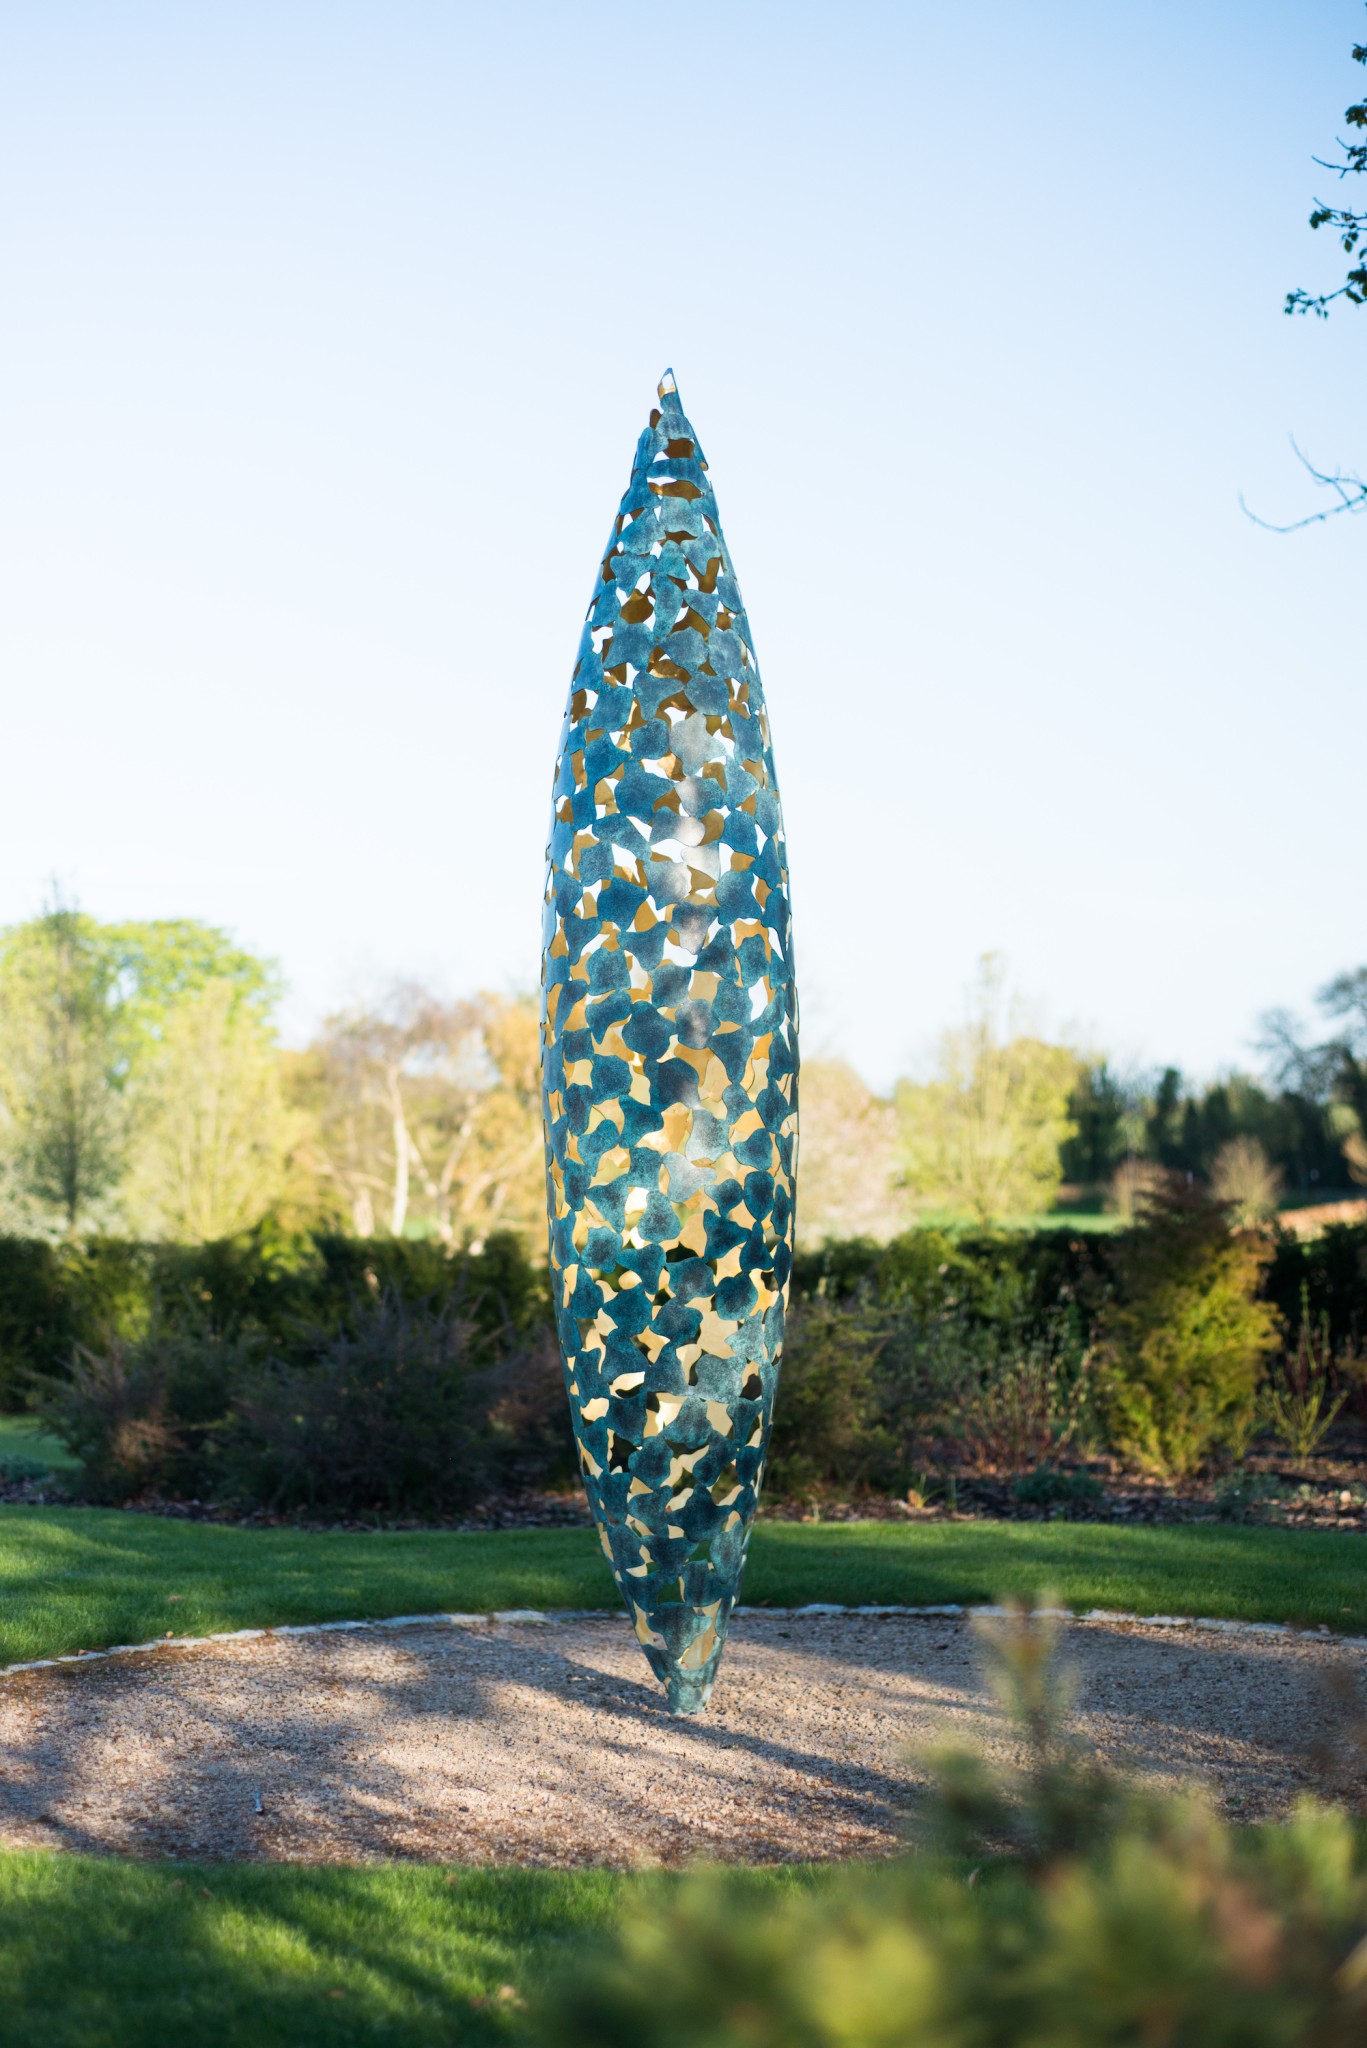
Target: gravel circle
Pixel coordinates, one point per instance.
(547, 1742)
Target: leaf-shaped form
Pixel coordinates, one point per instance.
(669, 1061)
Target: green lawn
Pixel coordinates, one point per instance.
(97, 1953)
(83, 1578)
(21, 1436)
(100, 1953)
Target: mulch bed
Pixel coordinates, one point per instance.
(1321, 1493)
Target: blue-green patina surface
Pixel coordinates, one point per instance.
(669, 1061)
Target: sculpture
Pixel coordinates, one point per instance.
(669, 1061)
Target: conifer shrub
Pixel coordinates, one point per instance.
(1186, 1340)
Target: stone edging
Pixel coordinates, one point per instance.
(535, 1616)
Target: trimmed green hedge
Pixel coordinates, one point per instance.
(1032, 1274)
(53, 1297)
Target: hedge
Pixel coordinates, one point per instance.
(55, 1296)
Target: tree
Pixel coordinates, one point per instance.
(1105, 1110)
(1346, 224)
(1244, 1181)
(212, 1133)
(849, 1183)
(427, 1114)
(84, 1008)
(985, 1134)
(1348, 491)
(63, 1062)
(1333, 1073)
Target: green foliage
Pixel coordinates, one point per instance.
(826, 1430)
(1324, 1278)
(55, 1296)
(1348, 226)
(984, 1135)
(408, 1409)
(937, 1349)
(962, 1395)
(213, 1132)
(408, 1412)
(1091, 1916)
(1048, 1487)
(63, 1062)
(1299, 1403)
(1107, 1126)
(148, 1414)
(876, 1395)
(991, 1276)
(1188, 1335)
(86, 1011)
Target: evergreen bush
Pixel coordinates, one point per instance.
(1188, 1335)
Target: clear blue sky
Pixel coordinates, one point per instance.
(328, 333)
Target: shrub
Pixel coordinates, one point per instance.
(873, 1397)
(412, 1409)
(393, 1414)
(982, 1397)
(146, 1415)
(1329, 1274)
(1245, 1181)
(1061, 1909)
(826, 1431)
(1299, 1405)
(1187, 1338)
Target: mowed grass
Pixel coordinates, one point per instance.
(98, 1953)
(22, 1436)
(86, 1578)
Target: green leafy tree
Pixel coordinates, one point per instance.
(986, 1133)
(212, 1133)
(63, 1063)
(85, 1009)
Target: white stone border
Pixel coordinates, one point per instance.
(535, 1616)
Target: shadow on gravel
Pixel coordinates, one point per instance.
(550, 1744)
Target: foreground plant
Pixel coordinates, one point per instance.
(1058, 1908)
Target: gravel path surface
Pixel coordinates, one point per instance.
(547, 1743)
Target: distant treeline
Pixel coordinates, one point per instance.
(144, 1094)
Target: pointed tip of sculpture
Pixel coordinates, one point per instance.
(688, 1693)
(667, 388)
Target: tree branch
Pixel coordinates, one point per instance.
(1351, 492)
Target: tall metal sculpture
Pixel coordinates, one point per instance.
(669, 1061)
